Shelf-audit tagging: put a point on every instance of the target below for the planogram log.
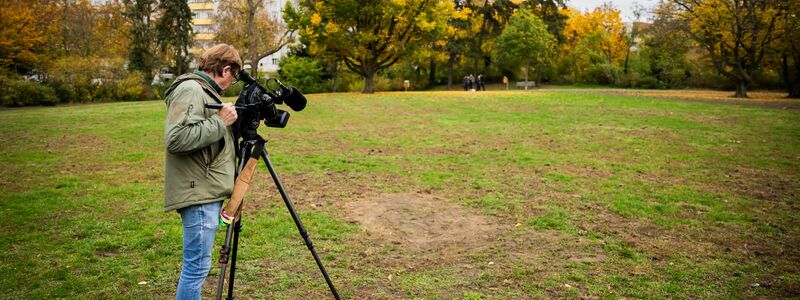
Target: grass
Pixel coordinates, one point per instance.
(596, 195)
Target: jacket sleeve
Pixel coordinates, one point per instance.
(187, 128)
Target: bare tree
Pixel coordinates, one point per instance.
(246, 25)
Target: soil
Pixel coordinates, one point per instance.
(422, 223)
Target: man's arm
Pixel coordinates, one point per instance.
(188, 129)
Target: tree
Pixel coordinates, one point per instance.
(493, 17)
(665, 49)
(368, 35)
(637, 14)
(76, 27)
(736, 34)
(303, 73)
(24, 35)
(80, 28)
(110, 30)
(174, 32)
(462, 27)
(594, 40)
(525, 41)
(789, 46)
(246, 25)
(605, 26)
(140, 56)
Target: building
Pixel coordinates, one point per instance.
(202, 24)
(203, 12)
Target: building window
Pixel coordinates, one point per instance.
(201, 28)
(275, 61)
(203, 15)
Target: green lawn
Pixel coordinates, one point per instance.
(592, 196)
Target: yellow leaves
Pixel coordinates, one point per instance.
(605, 27)
(399, 2)
(462, 14)
(476, 26)
(316, 19)
(331, 27)
(401, 19)
(426, 25)
(441, 43)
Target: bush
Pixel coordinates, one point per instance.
(130, 88)
(91, 79)
(381, 84)
(303, 73)
(160, 88)
(603, 74)
(23, 92)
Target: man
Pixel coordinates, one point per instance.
(200, 159)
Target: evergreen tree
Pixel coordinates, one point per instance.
(140, 57)
(174, 33)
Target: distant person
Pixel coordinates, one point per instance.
(481, 86)
(200, 159)
(466, 83)
(471, 82)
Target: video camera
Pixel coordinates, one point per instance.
(257, 102)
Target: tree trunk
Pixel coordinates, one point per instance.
(251, 38)
(538, 73)
(627, 54)
(450, 72)
(741, 89)
(794, 88)
(178, 62)
(792, 82)
(335, 81)
(527, 68)
(432, 73)
(369, 83)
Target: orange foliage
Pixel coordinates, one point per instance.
(20, 34)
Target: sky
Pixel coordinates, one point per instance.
(625, 7)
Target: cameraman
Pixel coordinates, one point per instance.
(200, 158)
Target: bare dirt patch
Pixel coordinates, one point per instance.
(423, 223)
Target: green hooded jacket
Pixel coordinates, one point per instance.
(200, 156)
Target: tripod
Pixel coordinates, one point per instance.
(250, 150)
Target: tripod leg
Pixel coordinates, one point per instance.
(223, 261)
(237, 227)
(297, 222)
(229, 233)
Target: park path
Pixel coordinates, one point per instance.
(770, 99)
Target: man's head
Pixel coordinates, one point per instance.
(222, 63)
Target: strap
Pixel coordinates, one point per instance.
(232, 210)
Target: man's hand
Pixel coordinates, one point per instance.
(228, 114)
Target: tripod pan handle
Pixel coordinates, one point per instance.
(213, 106)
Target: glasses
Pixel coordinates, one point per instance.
(235, 77)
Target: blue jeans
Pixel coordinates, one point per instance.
(200, 224)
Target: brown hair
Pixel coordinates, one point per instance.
(218, 57)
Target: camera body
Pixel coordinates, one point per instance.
(257, 102)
